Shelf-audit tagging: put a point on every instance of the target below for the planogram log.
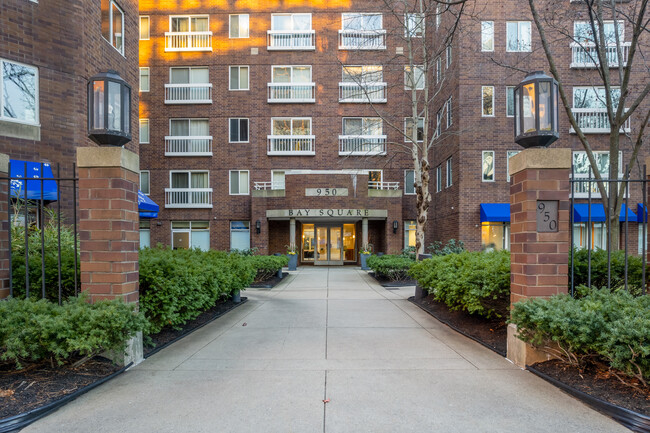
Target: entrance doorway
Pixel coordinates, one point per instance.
(328, 244)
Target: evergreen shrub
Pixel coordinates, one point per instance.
(392, 267)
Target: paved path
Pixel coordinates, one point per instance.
(326, 333)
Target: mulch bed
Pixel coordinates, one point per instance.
(270, 283)
(385, 282)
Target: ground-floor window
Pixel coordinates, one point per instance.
(349, 239)
(598, 235)
(495, 236)
(643, 241)
(191, 234)
(409, 234)
(145, 233)
(240, 235)
(308, 242)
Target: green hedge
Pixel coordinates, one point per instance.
(599, 270)
(394, 268)
(32, 331)
(611, 326)
(267, 266)
(476, 282)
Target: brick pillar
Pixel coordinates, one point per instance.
(4, 228)
(539, 248)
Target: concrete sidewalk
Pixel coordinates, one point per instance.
(326, 333)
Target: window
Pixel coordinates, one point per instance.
(240, 235)
(487, 35)
(582, 169)
(408, 130)
(291, 22)
(449, 116)
(375, 178)
(438, 123)
(189, 179)
(509, 155)
(362, 31)
(291, 74)
(277, 179)
(495, 236)
(239, 27)
(189, 24)
(414, 80)
(582, 33)
(487, 101)
(438, 69)
(414, 25)
(409, 234)
(438, 13)
(594, 97)
(409, 182)
(487, 170)
(145, 233)
(362, 22)
(113, 24)
(189, 75)
(291, 126)
(18, 92)
(439, 178)
(238, 78)
(362, 126)
(518, 36)
(449, 173)
(145, 182)
(191, 234)
(189, 127)
(144, 28)
(363, 74)
(239, 182)
(643, 241)
(238, 131)
(510, 101)
(449, 58)
(598, 235)
(144, 79)
(144, 131)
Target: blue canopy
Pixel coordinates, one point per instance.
(640, 214)
(581, 213)
(146, 206)
(33, 186)
(495, 212)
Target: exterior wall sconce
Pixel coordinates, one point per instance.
(536, 111)
(258, 227)
(395, 226)
(109, 109)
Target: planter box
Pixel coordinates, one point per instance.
(364, 258)
(293, 261)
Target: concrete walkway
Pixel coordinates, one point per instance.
(326, 333)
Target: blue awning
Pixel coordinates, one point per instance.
(495, 212)
(581, 213)
(147, 207)
(640, 214)
(33, 186)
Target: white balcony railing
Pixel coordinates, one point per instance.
(362, 39)
(260, 186)
(188, 41)
(595, 121)
(291, 40)
(581, 189)
(188, 93)
(188, 198)
(188, 146)
(290, 145)
(586, 56)
(292, 93)
(362, 93)
(362, 145)
(373, 184)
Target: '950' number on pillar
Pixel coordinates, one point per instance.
(547, 220)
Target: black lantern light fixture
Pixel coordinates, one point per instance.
(395, 226)
(258, 226)
(109, 109)
(536, 111)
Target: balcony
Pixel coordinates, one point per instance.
(585, 55)
(188, 41)
(373, 184)
(362, 145)
(362, 39)
(188, 198)
(384, 190)
(362, 93)
(262, 186)
(188, 93)
(282, 40)
(188, 146)
(595, 121)
(291, 145)
(581, 189)
(288, 93)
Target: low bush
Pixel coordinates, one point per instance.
(613, 327)
(599, 270)
(451, 247)
(394, 268)
(476, 282)
(32, 331)
(267, 266)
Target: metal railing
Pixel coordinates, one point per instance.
(290, 145)
(291, 40)
(585, 55)
(351, 92)
(188, 146)
(595, 121)
(362, 39)
(260, 186)
(196, 198)
(292, 93)
(197, 93)
(373, 184)
(188, 41)
(362, 145)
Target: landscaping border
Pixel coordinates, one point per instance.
(270, 283)
(385, 283)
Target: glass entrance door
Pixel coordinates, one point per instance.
(329, 245)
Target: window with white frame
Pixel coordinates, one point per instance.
(409, 234)
(414, 25)
(438, 123)
(595, 97)
(438, 69)
(495, 236)
(409, 182)
(238, 128)
(439, 178)
(189, 127)
(449, 114)
(189, 179)
(240, 235)
(189, 24)
(509, 155)
(582, 169)
(144, 28)
(113, 24)
(449, 173)
(362, 31)
(510, 101)
(145, 182)
(375, 178)
(291, 74)
(239, 182)
(239, 26)
(487, 101)
(363, 74)
(239, 78)
(145, 233)
(357, 126)
(596, 232)
(144, 79)
(291, 125)
(414, 77)
(487, 35)
(409, 130)
(518, 36)
(364, 22)
(191, 234)
(449, 58)
(144, 131)
(583, 34)
(487, 166)
(277, 179)
(643, 240)
(189, 75)
(19, 100)
(438, 16)
(291, 22)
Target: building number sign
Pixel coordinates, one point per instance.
(547, 216)
(326, 192)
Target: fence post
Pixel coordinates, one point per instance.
(108, 227)
(4, 227)
(539, 234)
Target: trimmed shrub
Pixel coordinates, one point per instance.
(476, 282)
(451, 247)
(599, 270)
(32, 331)
(393, 268)
(267, 266)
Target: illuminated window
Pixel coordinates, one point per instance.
(409, 234)
(144, 28)
(113, 24)
(495, 236)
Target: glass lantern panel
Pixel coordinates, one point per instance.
(126, 115)
(556, 107)
(517, 113)
(528, 95)
(545, 109)
(98, 105)
(114, 107)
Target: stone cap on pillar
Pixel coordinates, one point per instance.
(4, 163)
(541, 158)
(107, 157)
(647, 163)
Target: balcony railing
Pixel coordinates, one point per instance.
(188, 93)
(292, 93)
(362, 145)
(188, 198)
(361, 93)
(290, 145)
(188, 146)
(373, 184)
(595, 121)
(581, 189)
(291, 40)
(188, 41)
(261, 186)
(586, 56)
(362, 39)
